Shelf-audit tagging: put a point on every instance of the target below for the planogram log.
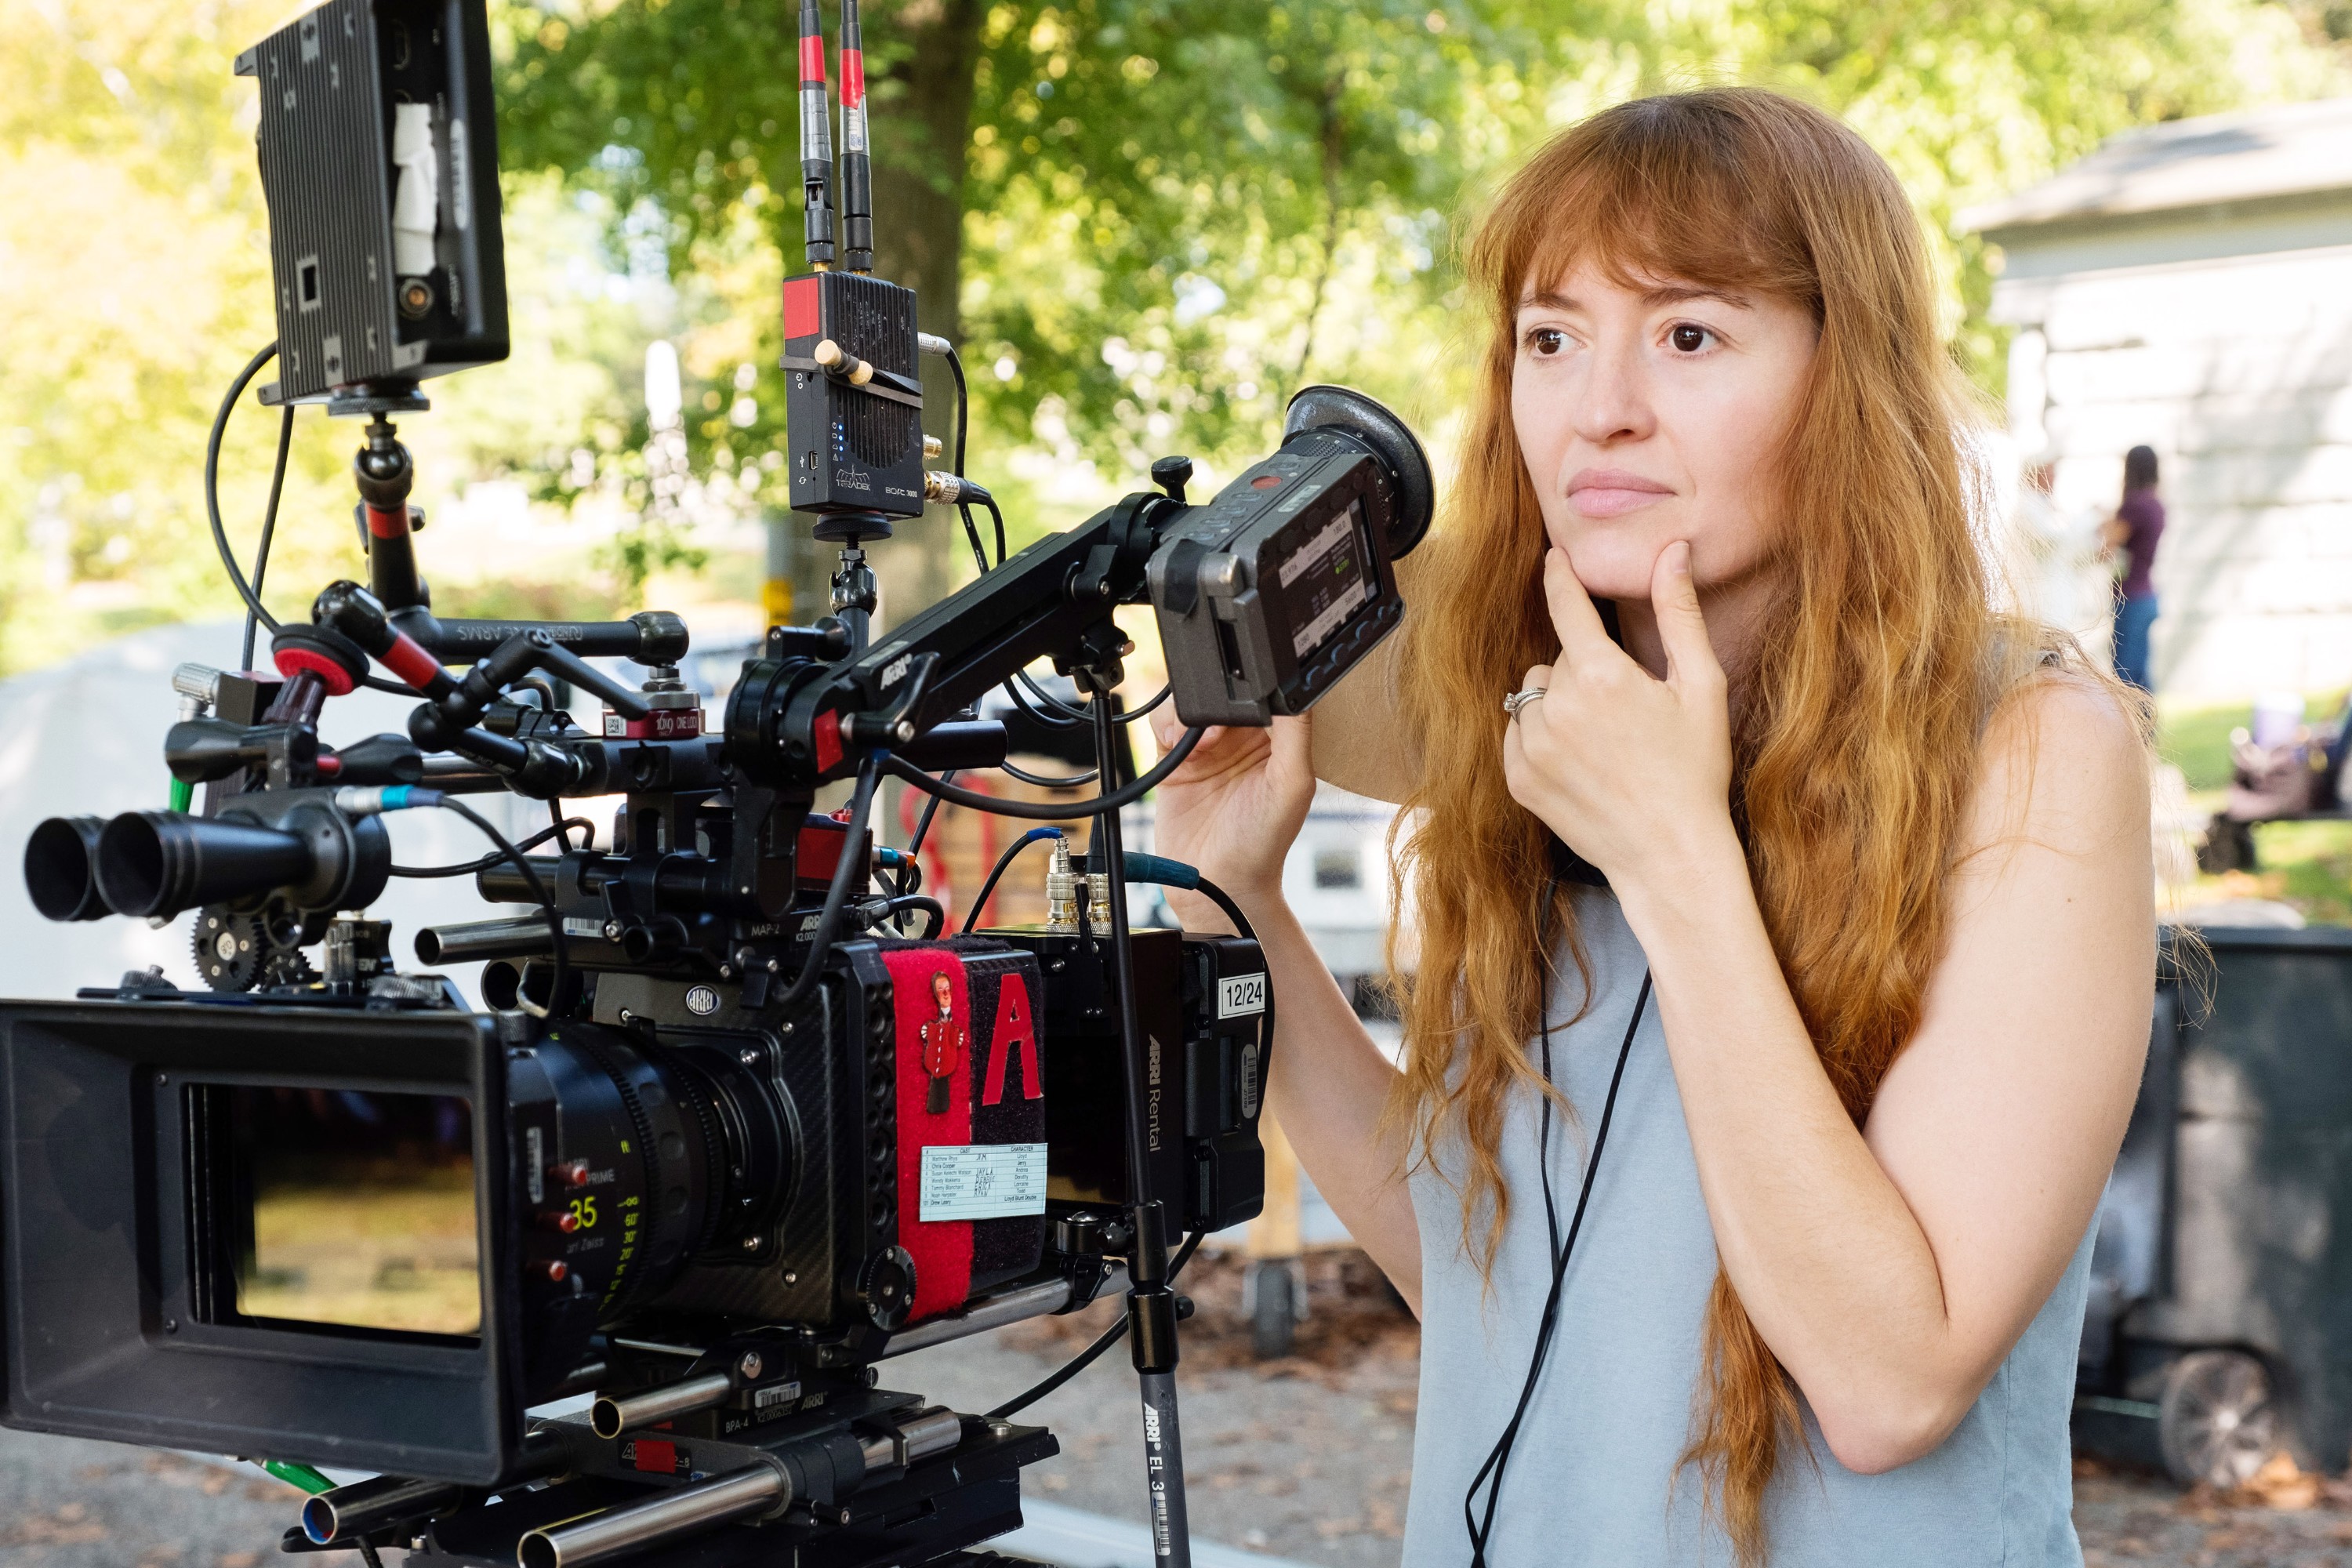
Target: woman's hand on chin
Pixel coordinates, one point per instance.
(1633, 772)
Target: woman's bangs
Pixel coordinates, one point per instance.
(1642, 221)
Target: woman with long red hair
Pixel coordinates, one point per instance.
(1781, 915)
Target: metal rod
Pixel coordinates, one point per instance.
(610, 1418)
(914, 1438)
(991, 1312)
(760, 1489)
(658, 1347)
(526, 937)
(1150, 1305)
(453, 774)
(370, 1505)
(1163, 1466)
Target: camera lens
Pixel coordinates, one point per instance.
(660, 1153)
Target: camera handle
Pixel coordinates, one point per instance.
(449, 718)
(1151, 1313)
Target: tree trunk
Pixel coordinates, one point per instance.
(920, 107)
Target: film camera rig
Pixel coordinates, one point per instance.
(724, 1140)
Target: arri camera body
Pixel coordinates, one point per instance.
(725, 1135)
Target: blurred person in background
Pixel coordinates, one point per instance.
(1748, 846)
(2135, 529)
(2060, 576)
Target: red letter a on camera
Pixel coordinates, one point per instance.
(1014, 1027)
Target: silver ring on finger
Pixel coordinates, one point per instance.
(1519, 699)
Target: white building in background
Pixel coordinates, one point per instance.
(2189, 286)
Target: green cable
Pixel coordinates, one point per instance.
(294, 1475)
(183, 795)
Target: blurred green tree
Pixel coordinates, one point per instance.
(1147, 221)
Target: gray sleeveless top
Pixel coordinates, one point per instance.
(1592, 1479)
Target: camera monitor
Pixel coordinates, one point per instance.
(380, 162)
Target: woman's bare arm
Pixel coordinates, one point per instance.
(1232, 810)
(1327, 1086)
(1892, 1268)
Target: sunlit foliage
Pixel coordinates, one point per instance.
(1170, 215)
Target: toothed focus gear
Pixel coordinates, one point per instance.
(229, 949)
(284, 966)
(237, 951)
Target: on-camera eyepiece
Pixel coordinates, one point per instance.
(59, 868)
(1268, 594)
(1390, 439)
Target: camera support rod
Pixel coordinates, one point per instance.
(449, 718)
(1151, 1304)
(385, 474)
(1052, 600)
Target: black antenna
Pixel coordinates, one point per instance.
(856, 159)
(816, 140)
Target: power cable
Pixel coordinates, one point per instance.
(1093, 1352)
(1050, 811)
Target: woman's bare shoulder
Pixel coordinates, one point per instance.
(2065, 761)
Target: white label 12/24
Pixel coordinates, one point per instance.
(1241, 995)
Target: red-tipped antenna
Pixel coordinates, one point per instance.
(856, 161)
(816, 140)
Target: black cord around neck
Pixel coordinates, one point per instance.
(1481, 1523)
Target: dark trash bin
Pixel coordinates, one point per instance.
(2220, 1327)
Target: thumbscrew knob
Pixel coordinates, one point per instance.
(1172, 474)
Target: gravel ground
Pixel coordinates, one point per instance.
(1308, 1458)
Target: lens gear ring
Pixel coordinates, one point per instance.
(229, 948)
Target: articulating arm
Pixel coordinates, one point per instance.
(1052, 600)
(449, 720)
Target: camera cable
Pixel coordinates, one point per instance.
(963, 508)
(898, 906)
(1040, 781)
(521, 863)
(1064, 717)
(245, 590)
(358, 801)
(836, 893)
(471, 868)
(1050, 811)
(1479, 1524)
(1067, 718)
(269, 528)
(996, 873)
(1162, 871)
(1093, 1352)
(923, 825)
